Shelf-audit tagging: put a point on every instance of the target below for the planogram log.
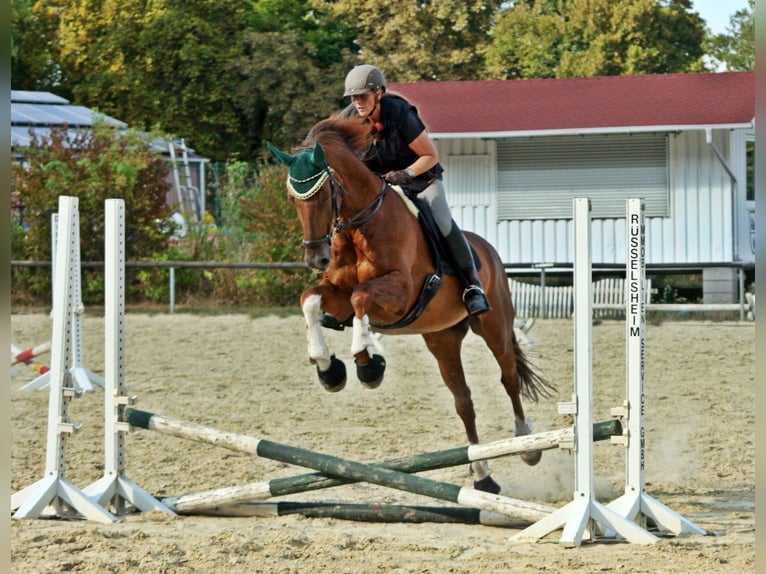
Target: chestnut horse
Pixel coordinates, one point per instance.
(375, 259)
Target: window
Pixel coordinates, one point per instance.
(538, 177)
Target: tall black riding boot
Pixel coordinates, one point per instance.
(474, 299)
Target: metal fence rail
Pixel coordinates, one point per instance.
(532, 300)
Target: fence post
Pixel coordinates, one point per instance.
(544, 300)
(741, 277)
(172, 289)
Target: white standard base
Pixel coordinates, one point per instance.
(638, 506)
(580, 516)
(82, 380)
(118, 490)
(52, 491)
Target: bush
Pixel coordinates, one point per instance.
(255, 223)
(276, 236)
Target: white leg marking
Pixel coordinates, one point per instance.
(480, 469)
(523, 427)
(318, 350)
(363, 338)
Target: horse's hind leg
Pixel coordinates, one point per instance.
(445, 347)
(497, 331)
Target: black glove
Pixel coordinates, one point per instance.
(398, 177)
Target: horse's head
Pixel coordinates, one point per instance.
(321, 175)
(314, 201)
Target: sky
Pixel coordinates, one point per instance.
(717, 12)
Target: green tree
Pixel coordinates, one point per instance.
(283, 93)
(34, 62)
(736, 48)
(292, 67)
(576, 38)
(177, 66)
(324, 38)
(524, 42)
(411, 41)
(162, 65)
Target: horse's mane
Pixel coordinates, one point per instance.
(336, 133)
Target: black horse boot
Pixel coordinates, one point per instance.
(474, 299)
(331, 322)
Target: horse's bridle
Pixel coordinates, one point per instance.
(363, 216)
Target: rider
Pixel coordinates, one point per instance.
(405, 155)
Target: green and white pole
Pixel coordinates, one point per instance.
(364, 512)
(192, 503)
(339, 467)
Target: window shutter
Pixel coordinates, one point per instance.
(538, 177)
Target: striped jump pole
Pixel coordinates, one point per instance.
(362, 512)
(218, 498)
(26, 355)
(339, 467)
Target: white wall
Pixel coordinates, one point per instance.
(700, 228)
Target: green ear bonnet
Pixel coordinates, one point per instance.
(307, 169)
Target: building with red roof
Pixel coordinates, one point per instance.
(607, 104)
(516, 152)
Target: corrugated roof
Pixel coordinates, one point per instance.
(43, 110)
(606, 103)
(28, 97)
(38, 112)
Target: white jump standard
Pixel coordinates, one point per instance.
(636, 504)
(115, 489)
(585, 516)
(54, 490)
(83, 378)
(584, 513)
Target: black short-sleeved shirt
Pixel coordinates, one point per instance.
(391, 151)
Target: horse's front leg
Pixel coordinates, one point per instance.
(330, 370)
(370, 366)
(389, 295)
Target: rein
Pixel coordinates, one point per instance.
(364, 215)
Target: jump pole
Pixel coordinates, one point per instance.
(223, 497)
(54, 493)
(362, 512)
(584, 513)
(339, 467)
(635, 504)
(115, 490)
(27, 356)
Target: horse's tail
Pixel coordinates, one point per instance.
(533, 385)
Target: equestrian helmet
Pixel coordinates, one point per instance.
(363, 79)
